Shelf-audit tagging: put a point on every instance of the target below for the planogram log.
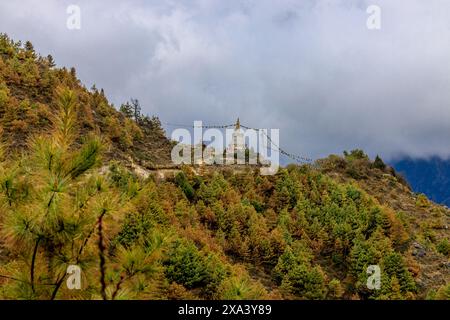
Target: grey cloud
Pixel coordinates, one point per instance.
(310, 68)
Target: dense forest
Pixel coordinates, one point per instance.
(69, 196)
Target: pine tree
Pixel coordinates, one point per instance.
(378, 163)
(136, 108)
(29, 46)
(52, 215)
(51, 61)
(127, 110)
(73, 72)
(29, 49)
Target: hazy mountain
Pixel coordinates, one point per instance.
(428, 176)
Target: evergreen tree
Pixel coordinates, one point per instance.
(29, 49)
(51, 61)
(378, 163)
(44, 219)
(127, 110)
(73, 72)
(136, 109)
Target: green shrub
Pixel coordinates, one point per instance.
(121, 177)
(134, 227)
(422, 201)
(443, 247)
(335, 289)
(355, 154)
(443, 293)
(182, 182)
(188, 266)
(241, 287)
(305, 282)
(394, 267)
(185, 265)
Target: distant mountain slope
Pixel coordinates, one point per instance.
(431, 177)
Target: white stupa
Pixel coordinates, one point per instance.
(237, 145)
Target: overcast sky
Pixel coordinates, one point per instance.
(310, 68)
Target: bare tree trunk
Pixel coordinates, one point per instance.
(101, 248)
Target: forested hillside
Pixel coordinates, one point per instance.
(68, 197)
(28, 84)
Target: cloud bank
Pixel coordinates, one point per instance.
(310, 68)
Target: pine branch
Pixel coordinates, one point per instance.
(59, 282)
(33, 262)
(12, 278)
(119, 283)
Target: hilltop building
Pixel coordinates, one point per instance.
(237, 140)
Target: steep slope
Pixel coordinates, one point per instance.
(427, 223)
(28, 86)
